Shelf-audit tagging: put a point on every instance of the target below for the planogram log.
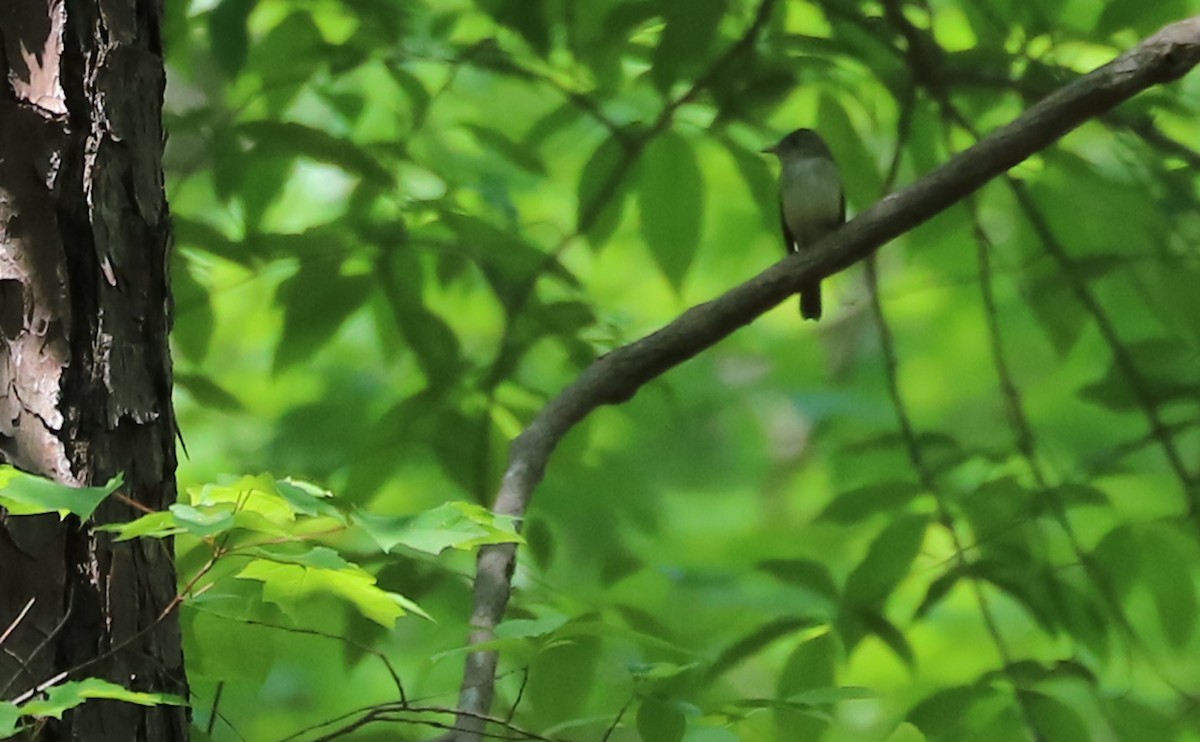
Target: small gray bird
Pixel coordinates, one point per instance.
(811, 200)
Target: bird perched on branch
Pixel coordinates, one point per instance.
(812, 202)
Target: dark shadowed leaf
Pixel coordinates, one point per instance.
(660, 720)
(526, 158)
(288, 139)
(1171, 584)
(671, 204)
(207, 392)
(316, 304)
(755, 642)
(602, 190)
(946, 714)
(811, 665)
(938, 590)
(887, 561)
(1165, 371)
(687, 40)
(806, 573)
(856, 505)
(227, 33)
(1054, 719)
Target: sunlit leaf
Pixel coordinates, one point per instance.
(62, 698)
(26, 494)
(457, 525)
(289, 583)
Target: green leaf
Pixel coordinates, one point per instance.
(755, 642)
(602, 191)
(228, 35)
(1166, 371)
(414, 90)
(194, 321)
(1029, 586)
(523, 628)
(1171, 585)
(889, 635)
(1053, 718)
(207, 238)
(307, 498)
(289, 585)
(430, 338)
(1083, 616)
(27, 494)
(856, 505)
(906, 732)
(671, 204)
(289, 140)
(527, 17)
(831, 695)
(517, 153)
(1118, 555)
(509, 262)
(689, 30)
(938, 590)
(62, 698)
(1050, 296)
(254, 493)
(452, 525)
(297, 40)
(858, 166)
(1142, 18)
(315, 304)
(207, 392)
(946, 714)
(202, 521)
(153, 525)
(561, 677)
(1135, 721)
(805, 573)
(660, 721)
(10, 714)
(887, 561)
(811, 666)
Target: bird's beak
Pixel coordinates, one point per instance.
(772, 150)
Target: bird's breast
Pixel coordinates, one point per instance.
(810, 191)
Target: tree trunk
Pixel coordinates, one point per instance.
(85, 374)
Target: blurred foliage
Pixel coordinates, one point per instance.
(969, 511)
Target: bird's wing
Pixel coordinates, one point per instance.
(789, 240)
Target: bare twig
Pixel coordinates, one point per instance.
(616, 377)
(17, 621)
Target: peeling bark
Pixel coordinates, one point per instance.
(85, 373)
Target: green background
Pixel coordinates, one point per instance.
(403, 225)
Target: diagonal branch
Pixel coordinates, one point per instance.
(617, 376)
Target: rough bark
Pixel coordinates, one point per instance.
(85, 374)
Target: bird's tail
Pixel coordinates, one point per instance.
(810, 301)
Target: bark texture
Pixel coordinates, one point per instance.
(85, 373)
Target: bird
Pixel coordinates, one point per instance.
(812, 201)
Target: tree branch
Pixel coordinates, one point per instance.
(617, 376)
